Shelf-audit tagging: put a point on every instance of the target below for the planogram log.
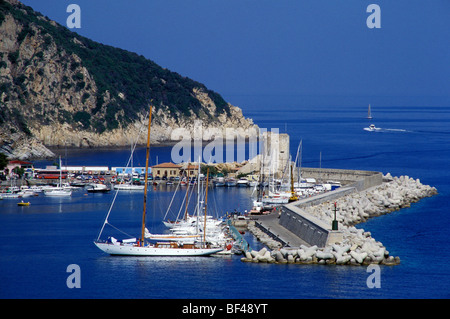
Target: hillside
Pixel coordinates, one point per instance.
(58, 88)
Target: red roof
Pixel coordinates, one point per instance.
(167, 165)
(20, 162)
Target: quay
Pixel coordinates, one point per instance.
(293, 227)
(269, 224)
(309, 232)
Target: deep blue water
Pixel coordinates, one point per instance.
(40, 241)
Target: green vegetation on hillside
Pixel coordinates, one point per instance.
(114, 70)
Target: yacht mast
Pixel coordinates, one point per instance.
(206, 205)
(146, 176)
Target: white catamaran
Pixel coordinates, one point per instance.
(139, 247)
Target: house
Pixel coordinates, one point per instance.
(166, 170)
(26, 166)
(21, 164)
(191, 170)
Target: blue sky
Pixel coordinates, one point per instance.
(281, 47)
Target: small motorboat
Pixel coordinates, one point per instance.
(242, 182)
(98, 188)
(22, 203)
(372, 128)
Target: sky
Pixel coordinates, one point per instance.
(282, 47)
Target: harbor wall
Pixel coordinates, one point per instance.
(308, 228)
(349, 245)
(311, 229)
(359, 179)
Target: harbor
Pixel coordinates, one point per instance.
(61, 230)
(315, 228)
(306, 232)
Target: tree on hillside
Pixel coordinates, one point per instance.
(3, 161)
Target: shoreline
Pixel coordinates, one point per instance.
(57, 148)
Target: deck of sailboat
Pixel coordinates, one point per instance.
(160, 249)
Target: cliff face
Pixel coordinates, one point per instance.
(60, 89)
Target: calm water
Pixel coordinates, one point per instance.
(40, 241)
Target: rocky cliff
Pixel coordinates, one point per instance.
(59, 89)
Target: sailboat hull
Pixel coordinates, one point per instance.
(130, 250)
(129, 187)
(58, 193)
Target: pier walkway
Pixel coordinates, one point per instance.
(270, 225)
(294, 227)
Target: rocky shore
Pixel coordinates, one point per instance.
(358, 246)
(56, 90)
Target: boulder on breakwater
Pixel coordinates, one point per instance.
(355, 208)
(366, 252)
(357, 247)
(263, 237)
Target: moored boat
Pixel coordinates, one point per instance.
(242, 182)
(22, 203)
(141, 247)
(58, 191)
(231, 182)
(129, 187)
(98, 188)
(159, 249)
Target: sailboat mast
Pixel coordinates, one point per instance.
(198, 194)
(206, 204)
(146, 175)
(187, 194)
(60, 172)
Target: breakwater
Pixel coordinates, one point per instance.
(348, 245)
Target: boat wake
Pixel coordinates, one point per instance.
(394, 130)
(372, 128)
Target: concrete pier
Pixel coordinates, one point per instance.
(311, 221)
(294, 227)
(270, 225)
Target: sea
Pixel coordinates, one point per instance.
(48, 245)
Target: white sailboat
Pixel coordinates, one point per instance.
(172, 237)
(369, 114)
(201, 226)
(98, 188)
(276, 198)
(58, 191)
(130, 186)
(139, 247)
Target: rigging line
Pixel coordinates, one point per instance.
(120, 230)
(171, 201)
(189, 197)
(187, 200)
(181, 207)
(117, 191)
(107, 215)
(136, 141)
